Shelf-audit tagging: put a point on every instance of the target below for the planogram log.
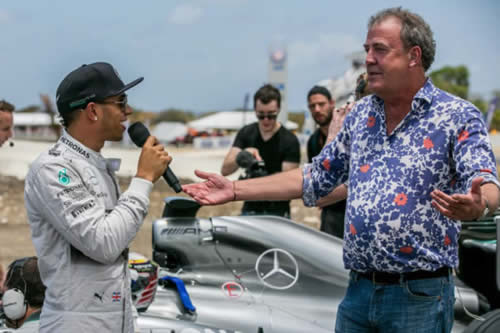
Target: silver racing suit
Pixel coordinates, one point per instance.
(81, 228)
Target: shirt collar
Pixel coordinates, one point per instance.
(426, 93)
(423, 96)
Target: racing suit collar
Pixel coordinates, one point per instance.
(79, 150)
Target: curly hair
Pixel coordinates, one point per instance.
(414, 32)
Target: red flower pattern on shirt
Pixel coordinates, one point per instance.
(401, 199)
(326, 164)
(364, 168)
(428, 144)
(370, 122)
(463, 135)
(406, 249)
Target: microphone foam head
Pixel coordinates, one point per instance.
(138, 133)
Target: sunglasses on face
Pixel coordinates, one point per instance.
(121, 103)
(270, 116)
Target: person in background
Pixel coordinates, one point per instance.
(269, 141)
(322, 108)
(6, 121)
(418, 160)
(23, 290)
(322, 105)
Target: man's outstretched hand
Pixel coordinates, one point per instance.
(463, 207)
(214, 190)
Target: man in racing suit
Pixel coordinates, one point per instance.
(81, 225)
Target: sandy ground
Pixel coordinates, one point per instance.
(15, 236)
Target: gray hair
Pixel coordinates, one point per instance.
(414, 32)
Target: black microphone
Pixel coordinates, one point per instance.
(139, 134)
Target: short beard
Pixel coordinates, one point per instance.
(326, 121)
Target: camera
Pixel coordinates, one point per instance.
(253, 168)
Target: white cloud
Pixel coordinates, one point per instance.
(185, 14)
(308, 52)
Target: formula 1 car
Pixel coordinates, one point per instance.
(270, 274)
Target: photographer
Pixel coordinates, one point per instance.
(268, 141)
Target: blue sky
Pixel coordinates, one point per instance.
(205, 55)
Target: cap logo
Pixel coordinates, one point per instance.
(81, 102)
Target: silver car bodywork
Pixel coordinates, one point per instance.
(266, 273)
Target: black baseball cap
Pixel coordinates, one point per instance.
(90, 83)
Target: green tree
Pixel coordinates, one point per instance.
(495, 122)
(454, 80)
(480, 103)
(173, 114)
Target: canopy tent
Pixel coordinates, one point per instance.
(32, 119)
(168, 131)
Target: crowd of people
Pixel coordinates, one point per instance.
(393, 172)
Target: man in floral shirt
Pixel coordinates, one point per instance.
(418, 161)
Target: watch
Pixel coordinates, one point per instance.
(486, 210)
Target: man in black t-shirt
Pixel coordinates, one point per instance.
(269, 141)
(321, 105)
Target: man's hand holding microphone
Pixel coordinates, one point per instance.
(153, 160)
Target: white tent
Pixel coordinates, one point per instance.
(32, 119)
(230, 120)
(34, 126)
(168, 131)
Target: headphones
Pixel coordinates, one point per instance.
(13, 300)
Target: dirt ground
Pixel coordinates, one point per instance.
(15, 235)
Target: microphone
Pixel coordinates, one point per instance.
(245, 159)
(139, 134)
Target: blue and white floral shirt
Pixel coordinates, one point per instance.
(390, 225)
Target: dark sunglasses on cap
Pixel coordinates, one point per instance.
(270, 116)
